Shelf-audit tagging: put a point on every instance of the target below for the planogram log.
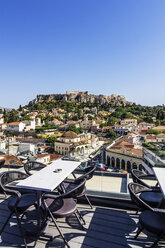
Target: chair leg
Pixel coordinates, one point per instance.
(138, 232)
(2, 229)
(88, 201)
(81, 217)
(55, 223)
(79, 220)
(138, 210)
(157, 240)
(21, 229)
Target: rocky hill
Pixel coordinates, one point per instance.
(82, 97)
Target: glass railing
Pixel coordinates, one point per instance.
(103, 183)
(111, 184)
(154, 157)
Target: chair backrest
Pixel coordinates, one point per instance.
(8, 177)
(136, 174)
(2, 162)
(77, 189)
(135, 189)
(32, 166)
(89, 172)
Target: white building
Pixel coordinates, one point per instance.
(121, 130)
(2, 145)
(3, 127)
(161, 137)
(29, 125)
(43, 158)
(26, 147)
(75, 145)
(1, 119)
(15, 126)
(128, 121)
(69, 137)
(38, 122)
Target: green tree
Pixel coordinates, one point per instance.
(126, 115)
(51, 140)
(75, 118)
(26, 117)
(148, 119)
(11, 116)
(75, 129)
(111, 121)
(103, 124)
(90, 117)
(20, 108)
(161, 114)
(152, 131)
(112, 134)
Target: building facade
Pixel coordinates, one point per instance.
(122, 155)
(74, 145)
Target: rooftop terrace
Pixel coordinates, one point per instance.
(112, 225)
(105, 227)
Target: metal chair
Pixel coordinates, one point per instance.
(152, 198)
(64, 205)
(88, 174)
(151, 219)
(138, 177)
(33, 166)
(18, 203)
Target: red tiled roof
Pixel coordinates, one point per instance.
(9, 159)
(13, 123)
(54, 156)
(42, 155)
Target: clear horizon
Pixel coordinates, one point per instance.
(105, 47)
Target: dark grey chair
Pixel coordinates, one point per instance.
(88, 174)
(151, 219)
(18, 203)
(64, 205)
(152, 198)
(33, 166)
(139, 177)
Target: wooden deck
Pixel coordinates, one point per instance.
(105, 228)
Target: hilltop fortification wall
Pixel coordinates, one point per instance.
(83, 97)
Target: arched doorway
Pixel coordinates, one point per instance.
(113, 162)
(123, 164)
(82, 150)
(118, 163)
(128, 166)
(134, 166)
(108, 160)
(78, 151)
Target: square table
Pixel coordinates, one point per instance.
(160, 175)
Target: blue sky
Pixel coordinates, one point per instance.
(103, 46)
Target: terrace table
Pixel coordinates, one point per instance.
(160, 175)
(48, 178)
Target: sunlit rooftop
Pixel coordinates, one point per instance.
(105, 227)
